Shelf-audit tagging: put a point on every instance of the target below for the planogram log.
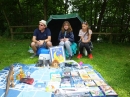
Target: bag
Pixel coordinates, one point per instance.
(27, 80)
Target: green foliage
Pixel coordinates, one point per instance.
(102, 15)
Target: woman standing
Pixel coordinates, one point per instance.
(85, 37)
(66, 37)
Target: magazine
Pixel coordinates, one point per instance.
(72, 90)
(55, 77)
(65, 82)
(90, 83)
(108, 91)
(74, 73)
(84, 75)
(94, 76)
(53, 85)
(100, 82)
(96, 92)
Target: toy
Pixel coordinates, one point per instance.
(21, 74)
(43, 62)
(80, 63)
(55, 63)
(46, 62)
(28, 74)
(10, 80)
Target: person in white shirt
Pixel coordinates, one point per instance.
(85, 39)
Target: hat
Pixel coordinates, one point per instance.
(43, 21)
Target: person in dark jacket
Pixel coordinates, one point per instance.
(66, 37)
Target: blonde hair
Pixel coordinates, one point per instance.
(69, 27)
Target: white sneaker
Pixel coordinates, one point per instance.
(33, 56)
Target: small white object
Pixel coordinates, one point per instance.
(85, 51)
(47, 56)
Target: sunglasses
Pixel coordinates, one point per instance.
(40, 25)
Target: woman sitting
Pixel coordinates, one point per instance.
(66, 37)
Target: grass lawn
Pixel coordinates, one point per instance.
(112, 61)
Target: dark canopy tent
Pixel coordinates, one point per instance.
(55, 23)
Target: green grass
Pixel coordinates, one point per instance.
(112, 61)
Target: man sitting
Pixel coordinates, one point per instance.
(41, 37)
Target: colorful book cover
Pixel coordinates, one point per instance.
(84, 75)
(79, 84)
(76, 79)
(65, 82)
(74, 73)
(70, 91)
(52, 86)
(90, 83)
(67, 69)
(100, 82)
(57, 53)
(66, 74)
(108, 91)
(94, 76)
(55, 77)
(89, 70)
(96, 92)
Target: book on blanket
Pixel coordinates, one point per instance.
(96, 92)
(108, 91)
(55, 77)
(72, 92)
(100, 82)
(93, 75)
(74, 73)
(84, 75)
(65, 82)
(90, 83)
(53, 85)
(78, 82)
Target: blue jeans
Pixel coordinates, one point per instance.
(66, 44)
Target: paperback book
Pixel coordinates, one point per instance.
(96, 92)
(100, 82)
(84, 75)
(90, 83)
(94, 76)
(74, 73)
(65, 82)
(72, 92)
(108, 91)
(55, 77)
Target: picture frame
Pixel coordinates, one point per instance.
(57, 53)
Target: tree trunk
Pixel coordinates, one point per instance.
(6, 18)
(91, 14)
(128, 22)
(45, 9)
(95, 15)
(103, 8)
(121, 28)
(20, 8)
(66, 1)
